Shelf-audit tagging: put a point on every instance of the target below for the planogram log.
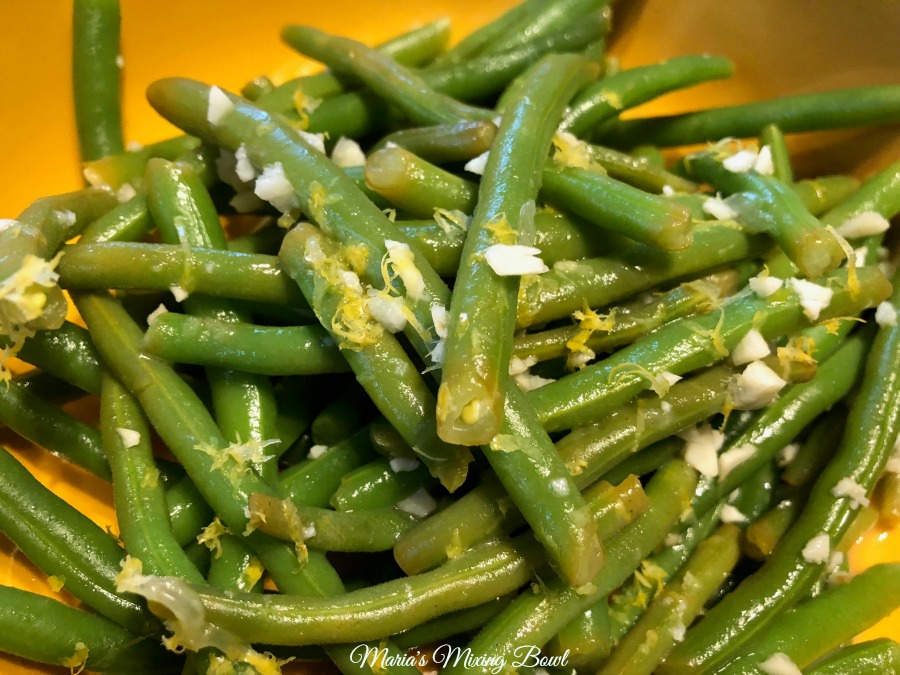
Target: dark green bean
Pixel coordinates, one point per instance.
(116, 170)
(772, 138)
(377, 485)
(866, 658)
(349, 411)
(444, 143)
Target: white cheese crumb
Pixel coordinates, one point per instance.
(731, 514)
(419, 503)
(156, 313)
(315, 141)
(437, 353)
(120, 61)
(673, 539)
(560, 486)
(347, 153)
(388, 311)
(529, 382)
(274, 187)
(729, 459)
(219, 106)
(665, 407)
(718, 209)
(130, 437)
(178, 293)
(787, 454)
(886, 314)
(510, 260)
(403, 260)
(309, 531)
(350, 279)
(813, 298)
(125, 193)
(518, 366)
(245, 201)
(817, 550)
(134, 146)
(65, 217)
(779, 664)
(701, 445)
(401, 464)
(849, 488)
(317, 451)
(678, 631)
(668, 190)
(740, 162)
(477, 164)
(864, 224)
(763, 163)
(666, 380)
(752, 347)
(242, 166)
(440, 318)
(755, 387)
(764, 286)
(578, 360)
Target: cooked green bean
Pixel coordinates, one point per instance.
(835, 109)
(866, 658)
(639, 171)
(349, 411)
(95, 76)
(608, 97)
(116, 170)
(772, 138)
(378, 485)
(206, 341)
(880, 194)
(444, 143)
(821, 194)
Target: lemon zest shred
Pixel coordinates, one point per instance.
(304, 105)
(499, 226)
(658, 382)
(852, 277)
(78, 660)
(209, 537)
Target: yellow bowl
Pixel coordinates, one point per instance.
(778, 47)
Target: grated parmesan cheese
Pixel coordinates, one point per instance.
(740, 162)
(387, 310)
(779, 664)
(718, 209)
(668, 191)
(178, 293)
(419, 503)
(477, 165)
(510, 260)
(886, 314)
(518, 366)
(242, 166)
(440, 317)
(817, 550)
(763, 163)
(219, 105)
(402, 258)
(315, 141)
(347, 153)
(274, 187)
(755, 387)
(787, 454)
(125, 193)
(731, 514)
(530, 382)
(752, 347)
(129, 437)
(156, 313)
(65, 217)
(864, 224)
(813, 297)
(849, 488)
(764, 285)
(702, 443)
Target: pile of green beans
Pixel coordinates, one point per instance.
(479, 380)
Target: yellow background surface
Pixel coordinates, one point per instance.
(779, 47)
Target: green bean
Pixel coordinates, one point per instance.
(816, 627)
(880, 193)
(116, 170)
(127, 222)
(444, 143)
(764, 533)
(639, 171)
(396, 84)
(266, 239)
(257, 87)
(814, 452)
(616, 206)
(349, 411)
(387, 442)
(478, 347)
(139, 498)
(377, 485)
(770, 206)
(40, 629)
(372, 353)
(64, 543)
(483, 39)
(651, 638)
(95, 75)
(448, 625)
(534, 617)
(188, 511)
(47, 387)
(367, 531)
(314, 483)
(630, 320)
(206, 341)
(650, 154)
(410, 49)
(684, 345)
(861, 106)
(606, 98)
(772, 138)
(603, 280)
(584, 639)
(544, 18)
(865, 448)
(51, 428)
(821, 194)
(225, 274)
(235, 566)
(645, 461)
(866, 658)
(417, 187)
